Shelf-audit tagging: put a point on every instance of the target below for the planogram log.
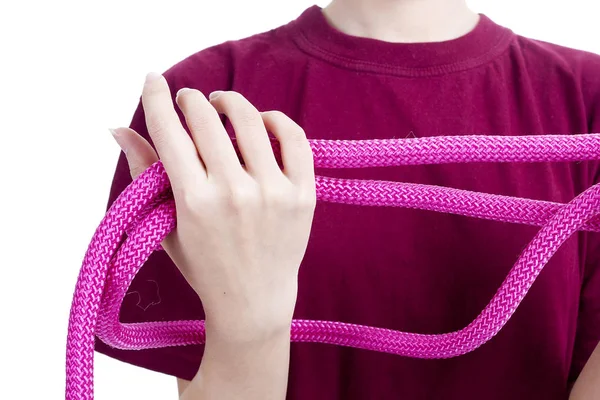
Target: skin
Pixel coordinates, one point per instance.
(249, 294)
(587, 385)
(242, 250)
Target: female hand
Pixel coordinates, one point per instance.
(242, 231)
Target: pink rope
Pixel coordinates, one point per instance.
(144, 213)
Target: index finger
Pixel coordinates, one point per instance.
(174, 146)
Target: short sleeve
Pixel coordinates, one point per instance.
(587, 334)
(159, 292)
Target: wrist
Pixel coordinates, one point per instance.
(247, 330)
(251, 318)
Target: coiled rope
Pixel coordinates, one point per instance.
(144, 213)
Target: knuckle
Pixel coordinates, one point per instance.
(298, 135)
(276, 195)
(198, 120)
(300, 145)
(248, 116)
(154, 122)
(188, 199)
(239, 197)
(307, 201)
(282, 122)
(242, 110)
(310, 157)
(156, 129)
(196, 116)
(160, 139)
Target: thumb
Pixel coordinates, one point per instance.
(140, 154)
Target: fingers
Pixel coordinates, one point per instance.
(209, 134)
(175, 147)
(211, 150)
(140, 154)
(250, 132)
(296, 153)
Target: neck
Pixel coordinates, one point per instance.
(402, 21)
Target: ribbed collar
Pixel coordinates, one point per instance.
(314, 35)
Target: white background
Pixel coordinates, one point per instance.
(68, 71)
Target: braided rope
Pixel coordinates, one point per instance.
(144, 213)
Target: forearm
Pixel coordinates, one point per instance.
(587, 385)
(238, 369)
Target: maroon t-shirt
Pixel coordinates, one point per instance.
(415, 271)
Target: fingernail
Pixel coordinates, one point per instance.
(152, 76)
(215, 94)
(118, 138)
(182, 90)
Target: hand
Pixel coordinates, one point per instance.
(242, 230)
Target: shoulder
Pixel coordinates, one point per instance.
(216, 67)
(577, 66)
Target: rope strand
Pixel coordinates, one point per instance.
(144, 214)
